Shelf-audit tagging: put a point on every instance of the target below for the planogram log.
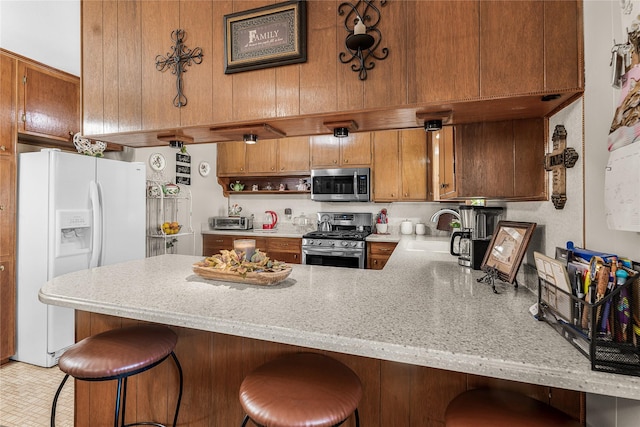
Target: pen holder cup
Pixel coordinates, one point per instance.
(603, 331)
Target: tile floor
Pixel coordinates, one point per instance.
(26, 394)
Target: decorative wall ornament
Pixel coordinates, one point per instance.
(267, 36)
(363, 36)
(558, 161)
(178, 61)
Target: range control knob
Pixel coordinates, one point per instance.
(345, 243)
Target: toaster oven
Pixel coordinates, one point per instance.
(231, 223)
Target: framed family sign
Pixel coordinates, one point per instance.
(507, 248)
(266, 37)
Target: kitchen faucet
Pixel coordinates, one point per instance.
(435, 216)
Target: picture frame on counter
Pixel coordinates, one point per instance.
(265, 37)
(507, 248)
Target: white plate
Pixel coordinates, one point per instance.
(204, 168)
(157, 161)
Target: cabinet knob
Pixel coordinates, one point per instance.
(1, 207)
(3, 148)
(335, 161)
(375, 261)
(273, 169)
(282, 168)
(444, 185)
(346, 160)
(393, 195)
(1, 267)
(406, 194)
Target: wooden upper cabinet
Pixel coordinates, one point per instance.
(444, 163)
(443, 39)
(502, 160)
(286, 156)
(48, 103)
(262, 157)
(325, 151)
(294, 155)
(231, 158)
(400, 165)
(512, 46)
(413, 161)
(386, 166)
(563, 48)
(355, 150)
(352, 151)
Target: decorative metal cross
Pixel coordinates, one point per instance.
(558, 161)
(178, 60)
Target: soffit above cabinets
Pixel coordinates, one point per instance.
(483, 110)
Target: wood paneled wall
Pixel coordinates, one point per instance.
(394, 394)
(438, 52)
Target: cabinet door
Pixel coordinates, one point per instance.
(7, 307)
(49, 102)
(261, 158)
(529, 151)
(506, 26)
(231, 158)
(484, 156)
(413, 164)
(436, 68)
(284, 249)
(378, 254)
(8, 72)
(325, 151)
(444, 140)
(386, 171)
(356, 149)
(293, 154)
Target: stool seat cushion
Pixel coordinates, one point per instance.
(118, 352)
(501, 408)
(301, 389)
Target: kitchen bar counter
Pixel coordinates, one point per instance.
(422, 309)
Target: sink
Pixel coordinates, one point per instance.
(429, 245)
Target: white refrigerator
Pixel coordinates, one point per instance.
(74, 212)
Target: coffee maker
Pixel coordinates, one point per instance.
(477, 226)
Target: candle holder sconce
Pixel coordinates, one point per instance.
(363, 36)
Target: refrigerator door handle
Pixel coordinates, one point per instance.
(96, 245)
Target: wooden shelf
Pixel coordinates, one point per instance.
(290, 181)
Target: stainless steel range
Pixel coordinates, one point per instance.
(339, 240)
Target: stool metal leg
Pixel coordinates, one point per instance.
(118, 399)
(175, 417)
(55, 401)
(245, 421)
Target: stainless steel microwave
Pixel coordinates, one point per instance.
(341, 185)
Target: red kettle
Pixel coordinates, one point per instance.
(270, 220)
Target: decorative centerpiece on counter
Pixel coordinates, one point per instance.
(232, 266)
(382, 221)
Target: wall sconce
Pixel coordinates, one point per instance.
(364, 38)
(250, 138)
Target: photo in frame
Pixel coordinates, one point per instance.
(507, 248)
(265, 37)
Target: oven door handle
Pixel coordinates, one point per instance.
(330, 251)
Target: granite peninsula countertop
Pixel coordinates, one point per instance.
(421, 309)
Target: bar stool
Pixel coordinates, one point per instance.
(301, 389)
(501, 408)
(116, 355)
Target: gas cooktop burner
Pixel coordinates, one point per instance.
(338, 234)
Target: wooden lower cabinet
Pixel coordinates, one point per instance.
(214, 365)
(378, 254)
(287, 249)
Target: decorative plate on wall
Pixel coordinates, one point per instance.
(204, 168)
(157, 161)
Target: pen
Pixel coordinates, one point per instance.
(580, 296)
